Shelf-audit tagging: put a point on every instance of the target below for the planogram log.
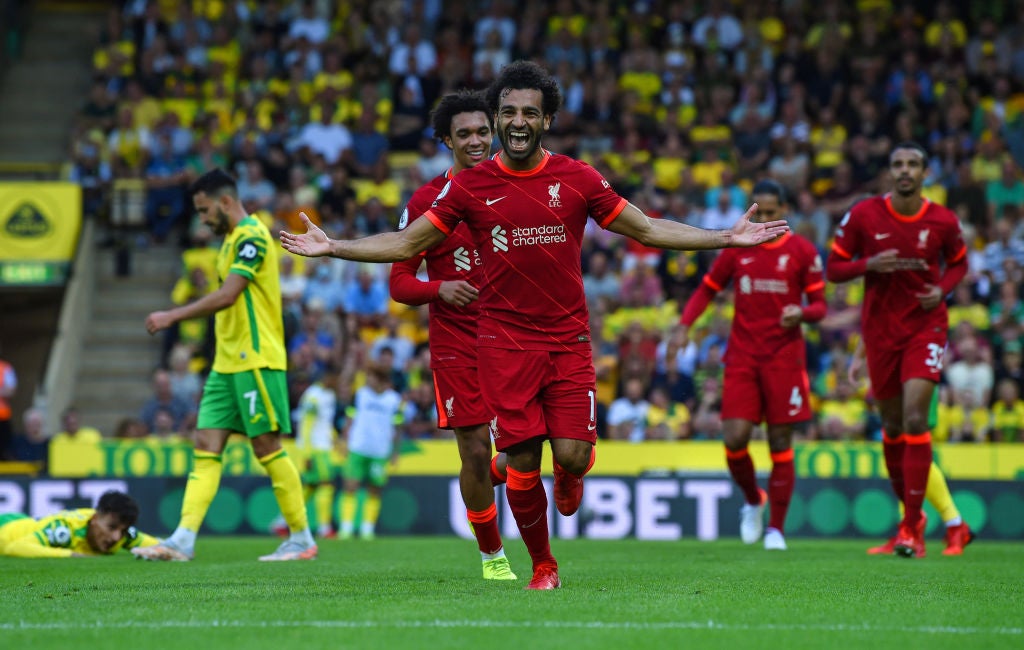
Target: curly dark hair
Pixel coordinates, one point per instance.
(463, 101)
(214, 183)
(525, 75)
(120, 504)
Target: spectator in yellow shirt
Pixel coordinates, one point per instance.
(74, 431)
(666, 420)
(843, 415)
(1008, 413)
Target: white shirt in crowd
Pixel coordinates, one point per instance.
(374, 416)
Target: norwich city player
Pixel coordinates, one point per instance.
(85, 532)
(246, 392)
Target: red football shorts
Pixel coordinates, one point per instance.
(759, 393)
(458, 399)
(920, 358)
(536, 393)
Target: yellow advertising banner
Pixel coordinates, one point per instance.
(156, 457)
(39, 221)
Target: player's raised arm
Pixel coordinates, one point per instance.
(663, 233)
(385, 247)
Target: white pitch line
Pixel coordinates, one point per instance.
(468, 624)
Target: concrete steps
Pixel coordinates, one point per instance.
(120, 355)
(46, 85)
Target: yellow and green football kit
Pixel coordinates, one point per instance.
(58, 535)
(247, 389)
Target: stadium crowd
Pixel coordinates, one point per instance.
(322, 106)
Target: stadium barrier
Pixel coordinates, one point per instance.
(159, 457)
(681, 506)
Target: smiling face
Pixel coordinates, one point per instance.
(521, 125)
(470, 139)
(907, 169)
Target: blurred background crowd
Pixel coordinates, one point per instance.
(323, 106)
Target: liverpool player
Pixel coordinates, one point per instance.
(462, 122)
(765, 358)
(911, 254)
(958, 533)
(526, 210)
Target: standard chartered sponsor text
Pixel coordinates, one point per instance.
(538, 235)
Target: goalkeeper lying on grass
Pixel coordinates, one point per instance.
(83, 532)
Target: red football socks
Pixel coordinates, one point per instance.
(485, 527)
(893, 449)
(917, 462)
(741, 466)
(497, 478)
(780, 488)
(529, 504)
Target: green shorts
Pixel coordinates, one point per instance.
(365, 469)
(252, 402)
(320, 468)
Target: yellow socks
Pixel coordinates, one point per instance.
(938, 495)
(323, 499)
(203, 481)
(348, 511)
(287, 489)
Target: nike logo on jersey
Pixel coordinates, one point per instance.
(882, 235)
(746, 260)
(493, 201)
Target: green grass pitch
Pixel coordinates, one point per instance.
(428, 593)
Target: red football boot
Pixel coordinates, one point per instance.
(957, 537)
(545, 577)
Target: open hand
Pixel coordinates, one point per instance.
(457, 292)
(313, 243)
(751, 233)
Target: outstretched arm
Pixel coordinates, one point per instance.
(30, 546)
(663, 233)
(385, 247)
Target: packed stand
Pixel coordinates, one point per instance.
(322, 107)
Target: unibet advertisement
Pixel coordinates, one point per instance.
(39, 227)
(667, 508)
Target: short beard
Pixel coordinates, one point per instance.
(222, 224)
(515, 155)
(915, 189)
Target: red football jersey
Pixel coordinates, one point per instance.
(892, 313)
(528, 227)
(765, 279)
(452, 329)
